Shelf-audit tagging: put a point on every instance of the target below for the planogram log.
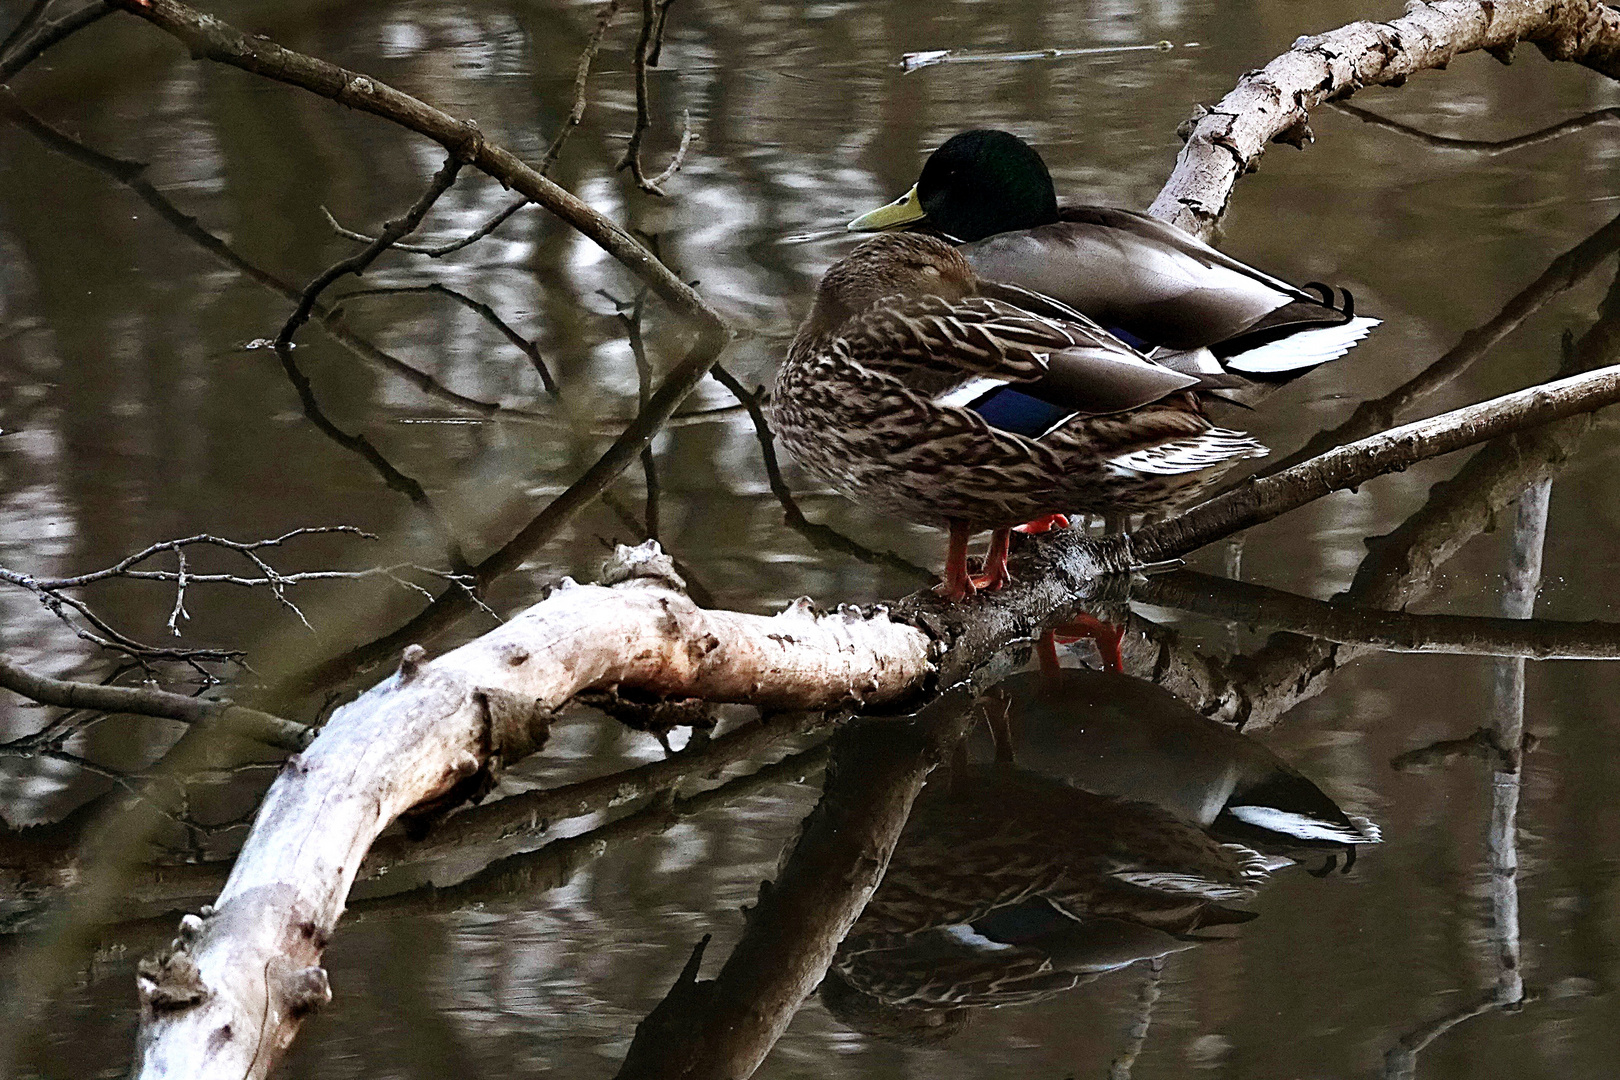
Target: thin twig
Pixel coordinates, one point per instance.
(524, 345)
(356, 264)
(122, 567)
(408, 486)
(582, 74)
(434, 251)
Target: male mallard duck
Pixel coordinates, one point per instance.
(1132, 739)
(919, 387)
(1007, 887)
(1146, 280)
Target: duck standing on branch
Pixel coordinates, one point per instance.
(922, 389)
(1146, 281)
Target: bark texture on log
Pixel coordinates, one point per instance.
(227, 999)
(1274, 103)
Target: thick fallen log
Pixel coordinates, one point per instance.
(229, 997)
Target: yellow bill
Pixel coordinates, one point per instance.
(903, 211)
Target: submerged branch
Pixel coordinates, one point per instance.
(356, 264)
(1484, 147)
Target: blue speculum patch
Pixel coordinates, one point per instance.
(1017, 412)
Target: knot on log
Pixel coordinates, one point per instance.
(469, 148)
(646, 562)
(1184, 130)
(170, 982)
(657, 716)
(518, 725)
(1298, 134)
(302, 989)
(410, 662)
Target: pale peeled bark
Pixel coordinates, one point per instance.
(227, 1000)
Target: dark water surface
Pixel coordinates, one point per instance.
(131, 412)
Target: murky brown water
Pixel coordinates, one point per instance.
(131, 413)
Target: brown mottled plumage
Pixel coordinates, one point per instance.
(1007, 887)
(902, 328)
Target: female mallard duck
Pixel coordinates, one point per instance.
(1007, 887)
(918, 387)
(1138, 276)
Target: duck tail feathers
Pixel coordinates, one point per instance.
(1303, 350)
(1307, 826)
(1216, 447)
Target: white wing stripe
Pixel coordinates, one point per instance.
(970, 391)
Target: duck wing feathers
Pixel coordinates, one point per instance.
(1146, 277)
(961, 352)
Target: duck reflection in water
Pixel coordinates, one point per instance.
(1116, 825)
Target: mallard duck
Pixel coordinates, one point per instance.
(922, 389)
(1132, 739)
(1145, 280)
(1007, 887)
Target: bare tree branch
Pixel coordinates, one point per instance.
(1274, 103)
(575, 115)
(146, 701)
(46, 34)
(435, 251)
(431, 735)
(131, 174)
(212, 38)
